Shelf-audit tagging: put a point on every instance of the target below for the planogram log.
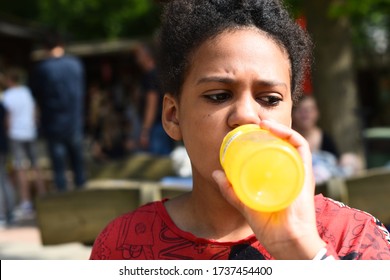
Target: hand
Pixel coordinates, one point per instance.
(290, 233)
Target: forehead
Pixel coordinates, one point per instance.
(240, 48)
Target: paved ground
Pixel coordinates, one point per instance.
(23, 242)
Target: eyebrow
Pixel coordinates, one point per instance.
(217, 79)
(226, 80)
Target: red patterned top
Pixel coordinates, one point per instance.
(148, 233)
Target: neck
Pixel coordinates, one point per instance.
(206, 214)
(313, 137)
(306, 131)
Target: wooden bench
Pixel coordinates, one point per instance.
(113, 189)
(78, 216)
(81, 215)
(368, 191)
(371, 192)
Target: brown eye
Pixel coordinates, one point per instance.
(270, 100)
(218, 97)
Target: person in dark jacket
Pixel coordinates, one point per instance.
(59, 87)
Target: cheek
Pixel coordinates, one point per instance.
(287, 114)
(203, 137)
(288, 121)
(283, 116)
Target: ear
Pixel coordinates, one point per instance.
(170, 117)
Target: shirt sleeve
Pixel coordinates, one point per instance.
(352, 234)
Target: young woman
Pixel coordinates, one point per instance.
(225, 64)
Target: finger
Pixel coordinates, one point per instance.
(291, 136)
(226, 189)
(283, 132)
(296, 140)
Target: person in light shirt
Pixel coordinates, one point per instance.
(22, 132)
(328, 161)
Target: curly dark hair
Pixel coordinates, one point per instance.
(186, 24)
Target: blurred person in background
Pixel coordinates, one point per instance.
(328, 162)
(22, 132)
(58, 83)
(110, 137)
(6, 190)
(152, 137)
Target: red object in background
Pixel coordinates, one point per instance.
(307, 85)
(106, 71)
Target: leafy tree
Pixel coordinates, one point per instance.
(342, 44)
(90, 19)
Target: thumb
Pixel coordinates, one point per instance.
(226, 189)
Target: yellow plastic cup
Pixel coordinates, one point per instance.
(266, 172)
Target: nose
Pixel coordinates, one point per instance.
(245, 110)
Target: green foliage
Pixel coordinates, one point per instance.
(365, 17)
(359, 8)
(294, 6)
(89, 19)
(109, 19)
